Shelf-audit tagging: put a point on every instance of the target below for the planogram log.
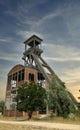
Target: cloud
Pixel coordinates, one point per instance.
(66, 56)
(61, 52)
(62, 59)
(23, 9)
(62, 22)
(71, 15)
(10, 50)
(72, 76)
(27, 34)
(5, 40)
(9, 57)
(47, 17)
(58, 24)
(65, 61)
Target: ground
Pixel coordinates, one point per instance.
(36, 125)
(41, 122)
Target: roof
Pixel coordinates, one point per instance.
(16, 68)
(31, 40)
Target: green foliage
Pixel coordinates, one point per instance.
(2, 106)
(77, 113)
(59, 98)
(30, 97)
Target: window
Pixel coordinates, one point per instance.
(40, 76)
(12, 78)
(13, 92)
(13, 84)
(13, 99)
(21, 75)
(15, 76)
(31, 77)
(18, 76)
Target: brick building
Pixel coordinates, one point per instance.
(34, 69)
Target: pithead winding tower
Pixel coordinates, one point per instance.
(32, 58)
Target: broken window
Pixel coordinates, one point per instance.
(15, 76)
(40, 76)
(21, 75)
(31, 77)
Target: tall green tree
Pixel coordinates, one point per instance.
(30, 97)
(59, 99)
(2, 106)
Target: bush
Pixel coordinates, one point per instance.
(77, 113)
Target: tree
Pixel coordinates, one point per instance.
(59, 99)
(30, 97)
(2, 106)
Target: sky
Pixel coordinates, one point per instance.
(57, 22)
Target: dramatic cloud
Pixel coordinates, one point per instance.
(56, 22)
(62, 53)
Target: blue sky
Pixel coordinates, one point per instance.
(57, 22)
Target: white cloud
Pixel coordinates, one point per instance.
(72, 76)
(9, 57)
(8, 39)
(23, 8)
(14, 55)
(71, 15)
(58, 59)
(64, 58)
(47, 17)
(27, 34)
(62, 53)
(3, 40)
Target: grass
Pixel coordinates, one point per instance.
(13, 118)
(74, 120)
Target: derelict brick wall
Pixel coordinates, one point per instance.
(32, 71)
(12, 113)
